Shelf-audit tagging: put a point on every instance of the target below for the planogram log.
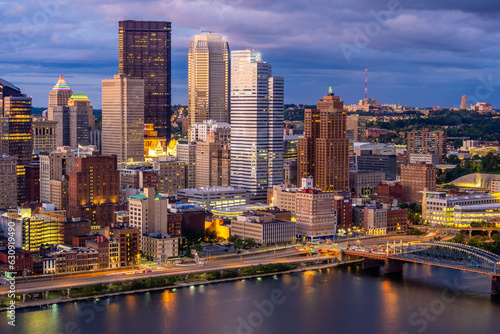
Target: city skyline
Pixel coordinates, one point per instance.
(413, 57)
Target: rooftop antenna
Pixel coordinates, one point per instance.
(366, 84)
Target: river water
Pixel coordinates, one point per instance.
(425, 300)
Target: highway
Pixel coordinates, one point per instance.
(65, 282)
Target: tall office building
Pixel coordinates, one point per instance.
(16, 137)
(94, 189)
(256, 124)
(54, 165)
(208, 79)
(463, 103)
(123, 118)
(82, 103)
(186, 153)
(415, 179)
(145, 53)
(7, 89)
(8, 181)
(324, 149)
(58, 97)
(427, 142)
(72, 126)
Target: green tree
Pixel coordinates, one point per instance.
(249, 243)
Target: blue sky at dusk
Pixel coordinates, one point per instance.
(418, 52)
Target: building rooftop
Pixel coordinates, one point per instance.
(5, 83)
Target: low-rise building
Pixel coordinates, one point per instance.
(216, 197)
(440, 209)
(159, 246)
(364, 182)
(217, 225)
(265, 230)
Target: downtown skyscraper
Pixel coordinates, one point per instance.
(145, 53)
(256, 124)
(123, 118)
(323, 152)
(208, 79)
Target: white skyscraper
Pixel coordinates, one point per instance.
(256, 124)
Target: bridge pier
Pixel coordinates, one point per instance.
(68, 290)
(495, 286)
(342, 256)
(489, 235)
(470, 233)
(370, 263)
(393, 266)
(24, 297)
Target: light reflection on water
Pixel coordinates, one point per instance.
(314, 301)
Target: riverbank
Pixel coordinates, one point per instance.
(45, 303)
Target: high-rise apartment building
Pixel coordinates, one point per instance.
(427, 142)
(324, 149)
(56, 166)
(58, 97)
(186, 153)
(16, 136)
(123, 118)
(208, 79)
(148, 212)
(256, 124)
(8, 182)
(94, 189)
(145, 53)
(415, 179)
(44, 134)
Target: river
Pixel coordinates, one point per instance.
(425, 300)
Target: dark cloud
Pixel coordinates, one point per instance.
(419, 52)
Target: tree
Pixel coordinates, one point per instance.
(232, 238)
(496, 237)
(237, 244)
(453, 159)
(249, 243)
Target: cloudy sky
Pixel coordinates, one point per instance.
(418, 52)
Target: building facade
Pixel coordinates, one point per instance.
(94, 189)
(264, 229)
(208, 79)
(145, 53)
(416, 178)
(256, 124)
(324, 149)
(123, 118)
(44, 135)
(8, 182)
(427, 142)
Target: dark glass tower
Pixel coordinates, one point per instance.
(16, 136)
(145, 53)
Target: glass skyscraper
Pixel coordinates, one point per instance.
(145, 53)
